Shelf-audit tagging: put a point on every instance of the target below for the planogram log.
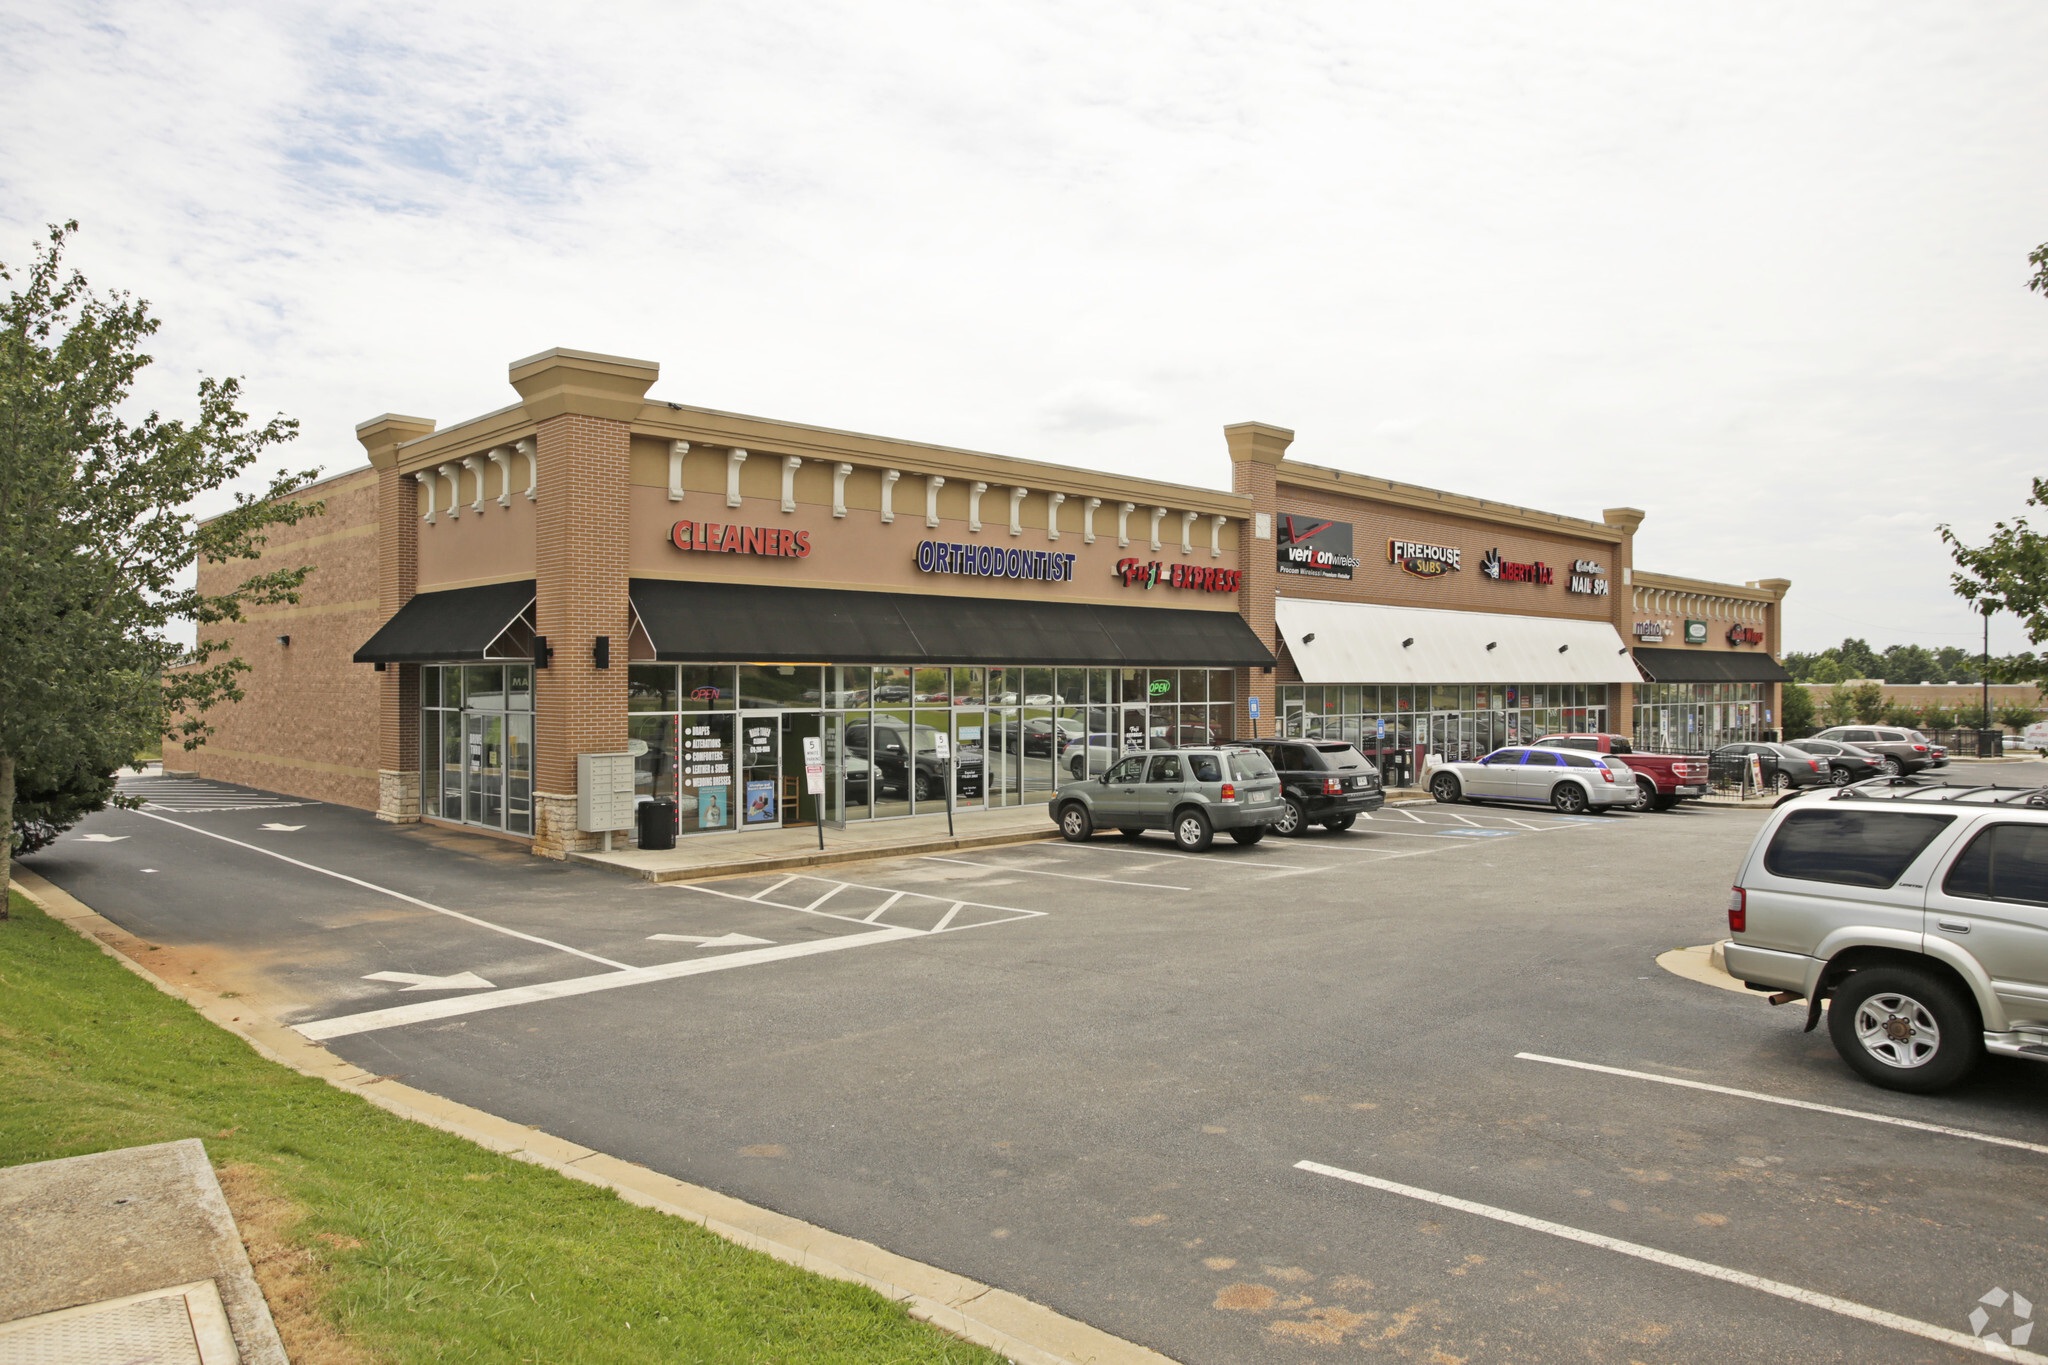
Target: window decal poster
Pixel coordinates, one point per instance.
(711, 812)
(760, 802)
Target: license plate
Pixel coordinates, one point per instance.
(1692, 791)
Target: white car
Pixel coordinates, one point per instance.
(1565, 779)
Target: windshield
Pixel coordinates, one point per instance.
(1250, 763)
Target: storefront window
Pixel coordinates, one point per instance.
(774, 686)
(702, 687)
(651, 687)
(476, 744)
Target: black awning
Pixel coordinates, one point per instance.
(759, 623)
(1709, 666)
(459, 623)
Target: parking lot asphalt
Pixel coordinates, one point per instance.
(1308, 1098)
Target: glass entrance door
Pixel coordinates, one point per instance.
(484, 794)
(760, 770)
(799, 807)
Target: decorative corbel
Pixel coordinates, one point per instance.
(889, 477)
(425, 479)
(501, 456)
(676, 451)
(453, 473)
(1123, 523)
(526, 448)
(1017, 496)
(1158, 515)
(1216, 536)
(1088, 520)
(733, 460)
(1052, 514)
(932, 484)
(839, 473)
(974, 492)
(474, 466)
(1187, 532)
(790, 464)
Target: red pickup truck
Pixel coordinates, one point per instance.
(1662, 779)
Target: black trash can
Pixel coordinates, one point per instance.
(657, 822)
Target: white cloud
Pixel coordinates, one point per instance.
(1756, 271)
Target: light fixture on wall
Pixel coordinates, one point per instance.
(1407, 642)
(1562, 648)
(1622, 650)
(284, 639)
(1309, 638)
(1492, 645)
(601, 651)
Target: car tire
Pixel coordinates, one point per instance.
(1249, 836)
(1338, 824)
(1293, 821)
(1905, 1029)
(1664, 803)
(921, 787)
(1568, 798)
(1646, 795)
(1131, 833)
(1191, 832)
(1446, 788)
(1076, 827)
(1890, 767)
(1841, 776)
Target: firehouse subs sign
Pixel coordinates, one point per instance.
(1425, 561)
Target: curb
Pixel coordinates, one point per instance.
(1025, 1332)
(785, 862)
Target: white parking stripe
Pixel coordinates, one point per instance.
(1811, 1298)
(387, 891)
(1943, 1129)
(773, 889)
(1064, 876)
(877, 913)
(428, 1010)
(947, 918)
(826, 897)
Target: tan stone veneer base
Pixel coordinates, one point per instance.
(1020, 1329)
(398, 797)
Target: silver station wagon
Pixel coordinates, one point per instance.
(1191, 792)
(1566, 779)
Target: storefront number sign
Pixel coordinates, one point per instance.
(1315, 549)
(1586, 577)
(1138, 573)
(717, 538)
(993, 561)
(1425, 561)
(1508, 571)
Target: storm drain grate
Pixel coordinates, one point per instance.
(182, 1325)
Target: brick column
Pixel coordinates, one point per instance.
(1774, 633)
(1621, 707)
(1256, 450)
(582, 405)
(398, 577)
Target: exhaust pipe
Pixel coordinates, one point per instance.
(1785, 997)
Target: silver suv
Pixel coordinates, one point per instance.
(1192, 792)
(1918, 911)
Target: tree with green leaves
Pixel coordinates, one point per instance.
(1797, 720)
(1838, 708)
(1866, 702)
(96, 543)
(1898, 713)
(2017, 717)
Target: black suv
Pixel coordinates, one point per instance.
(1325, 782)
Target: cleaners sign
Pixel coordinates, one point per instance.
(717, 538)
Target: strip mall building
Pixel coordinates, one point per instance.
(591, 571)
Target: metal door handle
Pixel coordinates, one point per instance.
(1954, 926)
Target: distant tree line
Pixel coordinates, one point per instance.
(1814, 707)
(1898, 664)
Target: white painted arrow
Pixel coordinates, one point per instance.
(280, 827)
(723, 941)
(461, 981)
(101, 838)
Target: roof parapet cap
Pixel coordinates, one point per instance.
(1260, 442)
(560, 381)
(383, 434)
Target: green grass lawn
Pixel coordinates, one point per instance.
(433, 1249)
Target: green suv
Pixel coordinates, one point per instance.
(1191, 792)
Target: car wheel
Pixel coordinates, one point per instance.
(1132, 833)
(1664, 803)
(1249, 836)
(1890, 767)
(1568, 797)
(1646, 795)
(1075, 826)
(1905, 1029)
(1191, 831)
(1340, 823)
(1446, 788)
(1841, 776)
(1293, 820)
(923, 787)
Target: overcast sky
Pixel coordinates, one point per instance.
(1756, 269)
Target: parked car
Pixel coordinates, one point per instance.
(1918, 912)
(1566, 779)
(1036, 736)
(1325, 782)
(900, 770)
(1846, 762)
(1781, 764)
(1191, 792)
(1662, 780)
(1907, 751)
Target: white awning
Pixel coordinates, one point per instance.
(1357, 642)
